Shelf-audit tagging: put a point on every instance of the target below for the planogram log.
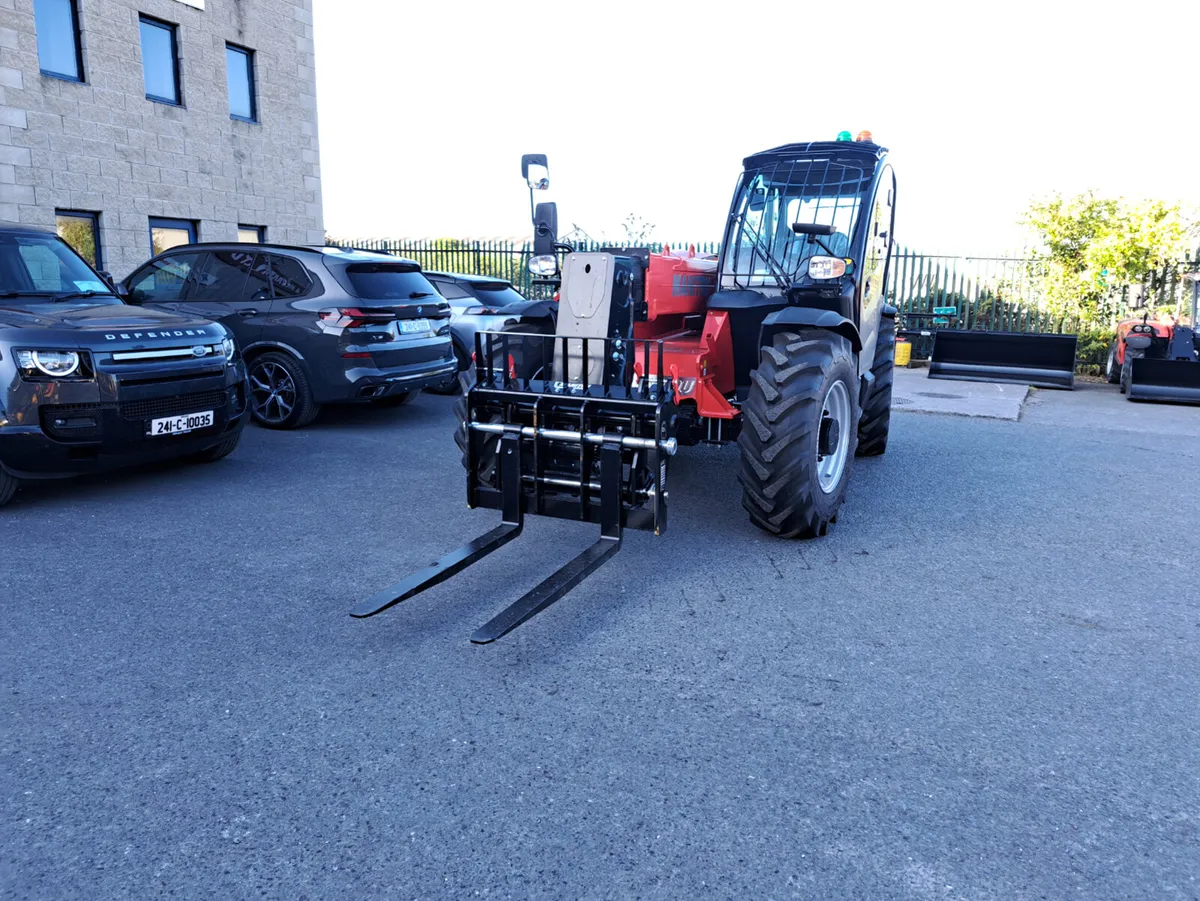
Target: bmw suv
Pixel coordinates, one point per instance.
(316, 325)
(88, 383)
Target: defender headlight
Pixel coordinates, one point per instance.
(826, 267)
(228, 347)
(58, 364)
(546, 264)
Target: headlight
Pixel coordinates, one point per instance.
(57, 364)
(228, 348)
(826, 267)
(547, 264)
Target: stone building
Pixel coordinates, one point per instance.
(134, 125)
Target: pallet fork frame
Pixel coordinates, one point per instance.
(497, 389)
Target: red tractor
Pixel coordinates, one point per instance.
(1157, 359)
(783, 343)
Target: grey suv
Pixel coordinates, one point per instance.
(88, 383)
(316, 325)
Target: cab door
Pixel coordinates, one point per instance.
(232, 287)
(875, 266)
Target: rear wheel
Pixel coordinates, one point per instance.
(280, 396)
(1112, 369)
(529, 359)
(1126, 373)
(8, 487)
(877, 413)
(219, 451)
(799, 434)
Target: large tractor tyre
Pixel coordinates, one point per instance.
(8, 487)
(877, 413)
(1112, 369)
(528, 360)
(1126, 373)
(280, 395)
(799, 433)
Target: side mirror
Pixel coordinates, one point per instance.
(544, 262)
(545, 228)
(536, 171)
(122, 291)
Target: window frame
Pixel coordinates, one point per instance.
(191, 225)
(77, 36)
(251, 68)
(260, 230)
(157, 263)
(312, 282)
(94, 217)
(172, 29)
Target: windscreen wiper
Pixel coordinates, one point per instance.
(59, 298)
(7, 294)
(776, 270)
(417, 294)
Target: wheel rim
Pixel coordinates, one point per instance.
(272, 392)
(1112, 362)
(835, 414)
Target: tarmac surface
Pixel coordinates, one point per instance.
(981, 684)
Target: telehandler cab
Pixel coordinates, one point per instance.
(784, 343)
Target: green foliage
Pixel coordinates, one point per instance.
(1093, 246)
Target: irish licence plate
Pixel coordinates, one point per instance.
(178, 425)
(414, 326)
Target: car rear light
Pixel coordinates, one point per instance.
(353, 317)
(356, 356)
(480, 311)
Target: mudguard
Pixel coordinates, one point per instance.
(808, 317)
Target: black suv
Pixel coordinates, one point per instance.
(88, 383)
(316, 325)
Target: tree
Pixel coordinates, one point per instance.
(1092, 246)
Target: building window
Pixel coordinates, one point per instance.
(57, 24)
(239, 70)
(160, 61)
(168, 233)
(252, 234)
(82, 231)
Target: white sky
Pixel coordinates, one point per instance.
(426, 107)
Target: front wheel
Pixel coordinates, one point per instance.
(219, 451)
(799, 434)
(8, 487)
(1112, 368)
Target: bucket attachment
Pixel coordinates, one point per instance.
(573, 450)
(1174, 380)
(1047, 361)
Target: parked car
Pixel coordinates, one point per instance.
(481, 304)
(316, 325)
(88, 383)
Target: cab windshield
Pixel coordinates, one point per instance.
(762, 249)
(38, 268)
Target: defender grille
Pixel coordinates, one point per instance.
(157, 407)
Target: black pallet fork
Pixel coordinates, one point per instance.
(514, 500)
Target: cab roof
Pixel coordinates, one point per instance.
(856, 152)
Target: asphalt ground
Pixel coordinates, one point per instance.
(983, 683)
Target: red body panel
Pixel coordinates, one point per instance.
(1124, 328)
(700, 361)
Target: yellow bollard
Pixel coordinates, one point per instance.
(903, 352)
